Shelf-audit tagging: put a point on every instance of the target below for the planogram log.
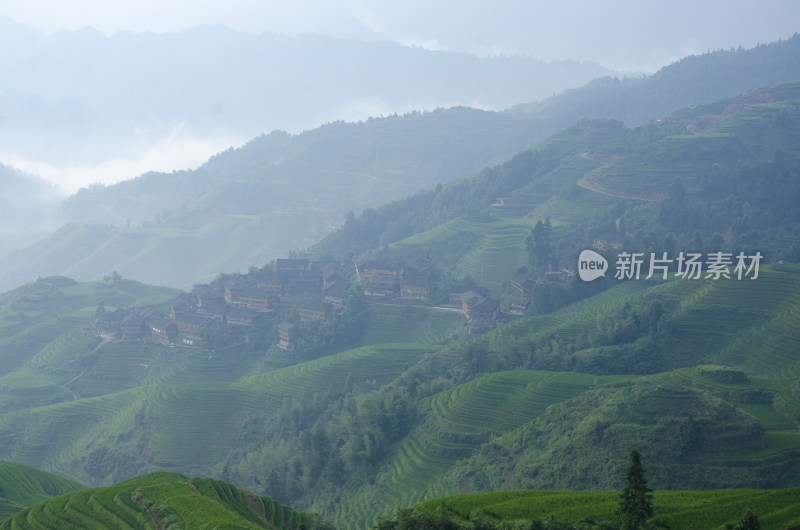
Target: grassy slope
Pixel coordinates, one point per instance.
(186, 427)
(750, 426)
(22, 486)
(159, 500)
(699, 510)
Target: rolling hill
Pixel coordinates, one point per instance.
(23, 486)
(161, 500)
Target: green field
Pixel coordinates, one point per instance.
(23, 486)
(159, 500)
(698, 510)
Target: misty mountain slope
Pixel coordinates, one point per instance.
(27, 203)
(728, 168)
(306, 183)
(80, 96)
(693, 80)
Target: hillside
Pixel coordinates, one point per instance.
(23, 486)
(699, 510)
(149, 227)
(724, 169)
(700, 373)
(162, 500)
(426, 421)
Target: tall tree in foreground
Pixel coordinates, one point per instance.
(636, 499)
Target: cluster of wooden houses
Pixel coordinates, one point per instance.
(391, 282)
(317, 291)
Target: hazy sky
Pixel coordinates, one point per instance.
(632, 35)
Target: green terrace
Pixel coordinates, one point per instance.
(159, 500)
(698, 510)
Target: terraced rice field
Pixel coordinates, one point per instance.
(195, 503)
(698, 510)
(500, 253)
(188, 424)
(421, 325)
(455, 424)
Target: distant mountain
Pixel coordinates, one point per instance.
(693, 80)
(284, 192)
(27, 203)
(81, 96)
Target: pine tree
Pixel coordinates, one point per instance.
(636, 499)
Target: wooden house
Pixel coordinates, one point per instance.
(310, 309)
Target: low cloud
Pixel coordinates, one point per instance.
(175, 151)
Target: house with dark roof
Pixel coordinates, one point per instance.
(109, 324)
(162, 331)
(132, 326)
(310, 309)
(522, 287)
(273, 282)
(485, 312)
(285, 265)
(458, 290)
(335, 294)
(189, 325)
(239, 316)
(288, 335)
(479, 309)
(378, 270)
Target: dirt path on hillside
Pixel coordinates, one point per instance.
(650, 195)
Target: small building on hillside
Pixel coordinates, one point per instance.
(607, 242)
(310, 309)
(457, 291)
(190, 327)
(132, 326)
(371, 271)
(288, 335)
(162, 331)
(272, 282)
(109, 325)
(522, 287)
(246, 297)
(554, 276)
(335, 294)
(417, 289)
(380, 288)
(206, 296)
(307, 283)
(287, 265)
(479, 309)
(239, 316)
(485, 312)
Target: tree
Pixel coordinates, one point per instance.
(636, 499)
(750, 522)
(538, 245)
